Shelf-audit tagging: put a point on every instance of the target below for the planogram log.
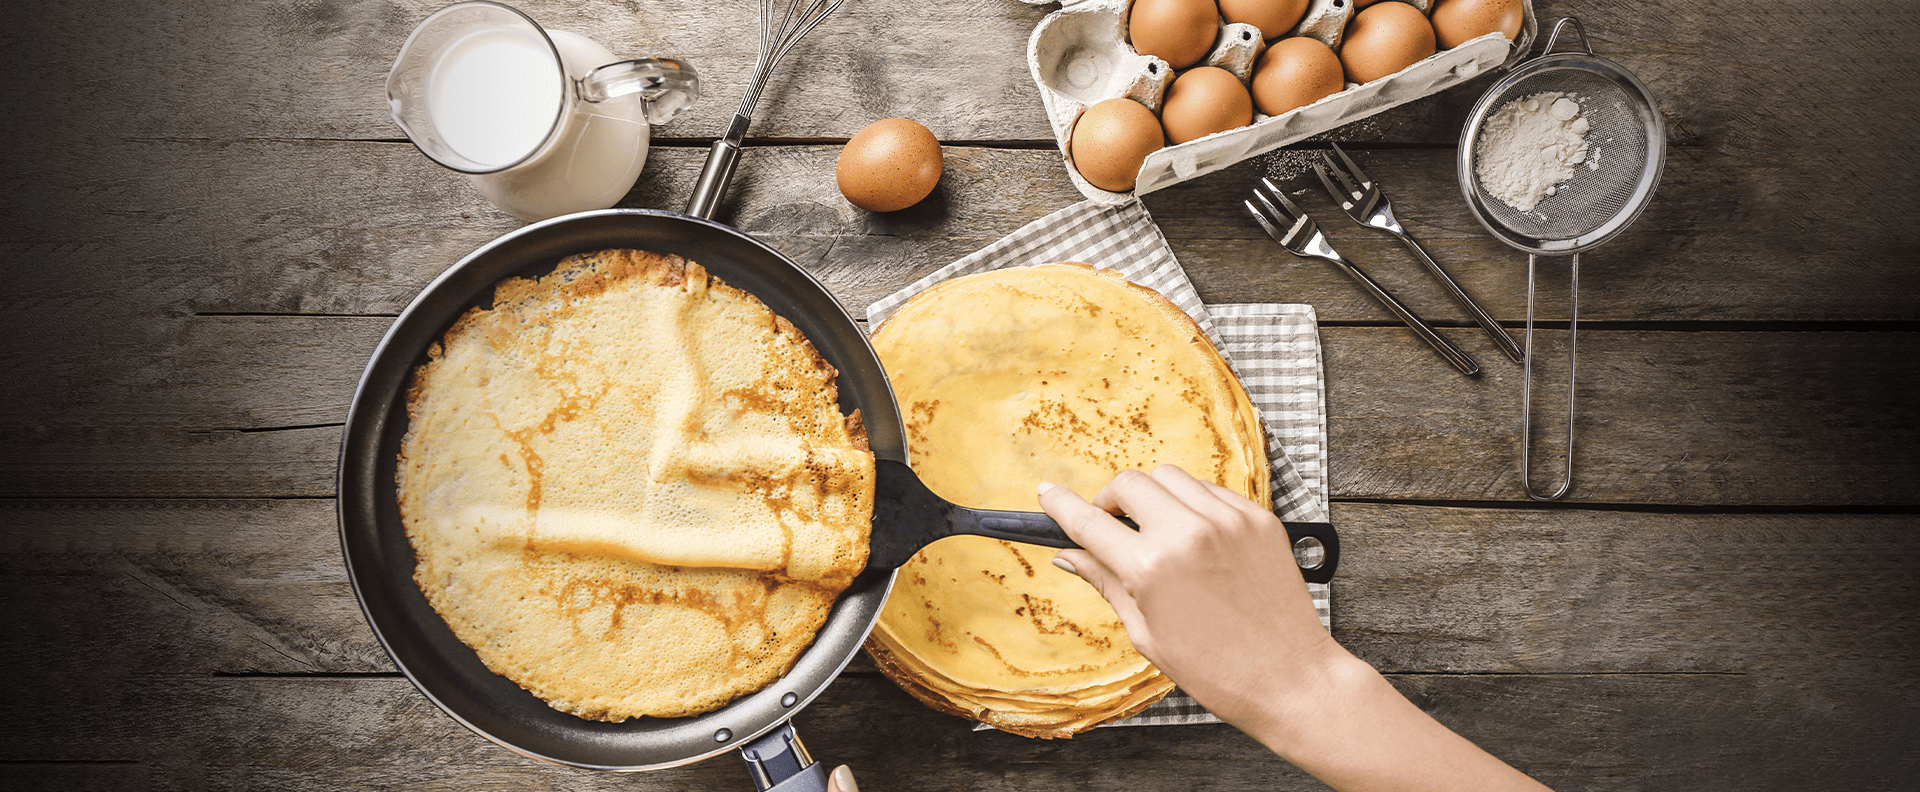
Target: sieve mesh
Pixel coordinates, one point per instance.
(1603, 187)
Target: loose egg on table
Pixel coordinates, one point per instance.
(1111, 139)
(890, 165)
(1180, 32)
(1383, 39)
(1456, 22)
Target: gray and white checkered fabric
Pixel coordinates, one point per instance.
(1274, 349)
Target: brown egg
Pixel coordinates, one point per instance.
(890, 165)
(1203, 101)
(1384, 39)
(1458, 21)
(1273, 17)
(1180, 32)
(1296, 72)
(1110, 140)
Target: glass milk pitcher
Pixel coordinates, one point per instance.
(543, 122)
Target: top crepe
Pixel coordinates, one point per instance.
(1059, 373)
(630, 488)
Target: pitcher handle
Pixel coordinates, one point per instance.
(666, 85)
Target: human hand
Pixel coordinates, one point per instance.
(841, 780)
(1207, 587)
(1210, 593)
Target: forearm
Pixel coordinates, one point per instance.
(1209, 592)
(1355, 732)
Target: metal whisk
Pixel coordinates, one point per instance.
(782, 24)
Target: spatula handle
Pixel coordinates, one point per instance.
(1036, 528)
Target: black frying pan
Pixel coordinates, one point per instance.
(380, 560)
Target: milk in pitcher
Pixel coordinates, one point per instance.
(542, 122)
(591, 160)
(495, 95)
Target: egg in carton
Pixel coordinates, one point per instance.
(1080, 55)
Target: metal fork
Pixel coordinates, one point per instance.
(1360, 196)
(1302, 238)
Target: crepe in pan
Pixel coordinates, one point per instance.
(1060, 373)
(629, 487)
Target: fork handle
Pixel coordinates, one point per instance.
(1459, 359)
(1459, 295)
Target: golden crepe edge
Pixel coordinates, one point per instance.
(1061, 727)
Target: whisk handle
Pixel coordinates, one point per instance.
(713, 179)
(721, 160)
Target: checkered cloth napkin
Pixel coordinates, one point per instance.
(1275, 350)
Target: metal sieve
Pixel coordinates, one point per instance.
(1627, 147)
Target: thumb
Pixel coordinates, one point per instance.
(1089, 568)
(842, 780)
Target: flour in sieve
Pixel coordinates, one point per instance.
(1530, 145)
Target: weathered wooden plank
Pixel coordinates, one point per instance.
(238, 586)
(208, 406)
(1665, 418)
(315, 70)
(205, 374)
(1747, 642)
(1713, 732)
(227, 586)
(1703, 418)
(1725, 237)
(245, 166)
(40, 776)
(1555, 591)
(40, 460)
(184, 227)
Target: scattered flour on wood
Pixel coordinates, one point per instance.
(1285, 165)
(1529, 146)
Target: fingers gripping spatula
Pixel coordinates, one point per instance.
(908, 516)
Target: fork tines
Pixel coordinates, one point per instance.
(1358, 185)
(1296, 222)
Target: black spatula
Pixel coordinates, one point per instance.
(907, 516)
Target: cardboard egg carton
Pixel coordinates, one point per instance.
(1079, 55)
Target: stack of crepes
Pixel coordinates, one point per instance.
(1060, 373)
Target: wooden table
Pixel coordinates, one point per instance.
(209, 221)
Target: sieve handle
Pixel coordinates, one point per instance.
(1459, 359)
(1526, 393)
(1554, 37)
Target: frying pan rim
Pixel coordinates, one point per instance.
(359, 462)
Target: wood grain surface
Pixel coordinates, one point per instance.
(207, 222)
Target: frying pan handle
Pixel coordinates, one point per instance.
(1037, 528)
(779, 762)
